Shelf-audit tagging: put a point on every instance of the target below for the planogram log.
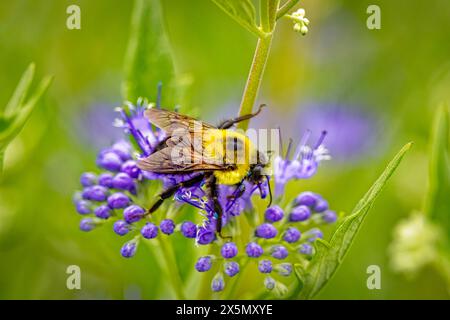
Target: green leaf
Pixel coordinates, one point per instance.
(243, 12)
(148, 60)
(21, 91)
(330, 255)
(437, 206)
(19, 108)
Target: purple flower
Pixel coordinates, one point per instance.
(329, 216)
(206, 234)
(231, 268)
(131, 169)
(313, 234)
(149, 231)
(266, 231)
(274, 214)
(88, 179)
(321, 205)
(307, 198)
(122, 149)
(203, 264)
(83, 206)
(103, 212)
(300, 213)
(279, 252)
(265, 266)
(135, 124)
(284, 269)
(95, 193)
(254, 250)
(118, 201)
(218, 284)
(189, 229)
(133, 213)
(87, 224)
(109, 160)
(128, 249)
(121, 227)
(302, 165)
(306, 248)
(229, 250)
(105, 180)
(123, 181)
(167, 226)
(291, 235)
(269, 283)
(120, 160)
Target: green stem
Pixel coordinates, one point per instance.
(204, 290)
(231, 292)
(172, 268)
(268, 10)
(286, 7)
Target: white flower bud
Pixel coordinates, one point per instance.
(299, 13)
(304, 30)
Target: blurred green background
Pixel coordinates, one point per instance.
(396, 75)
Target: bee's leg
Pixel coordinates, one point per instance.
(229, 123)
(213, 195)
(239, 191)
(171, 191)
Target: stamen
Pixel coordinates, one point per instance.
(321, 138)
(288, 151)
(280, 139)
(139, 137)
(302, 143)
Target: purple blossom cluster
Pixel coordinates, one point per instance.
(276, 243)
(112, 194)
(116, 194)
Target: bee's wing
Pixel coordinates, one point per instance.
(183, 152)
(170, 121)
(174, 159)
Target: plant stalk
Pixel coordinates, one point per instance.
(268, 12)
(286, 7)
(172, 268)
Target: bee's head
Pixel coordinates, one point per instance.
(258, 173)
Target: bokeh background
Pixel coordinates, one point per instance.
(374, 90)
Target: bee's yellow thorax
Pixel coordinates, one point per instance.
(229, 148)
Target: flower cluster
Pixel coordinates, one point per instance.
(300, 21)
(275, 243)
(117, 194)
(113, 194)
(415, 244)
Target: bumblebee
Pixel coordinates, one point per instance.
(217, 154)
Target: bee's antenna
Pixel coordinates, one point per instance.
(270, 191)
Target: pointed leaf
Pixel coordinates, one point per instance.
(437, 206)
(148, 60)
(242, 11)
(330, 255)
(21, 92)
